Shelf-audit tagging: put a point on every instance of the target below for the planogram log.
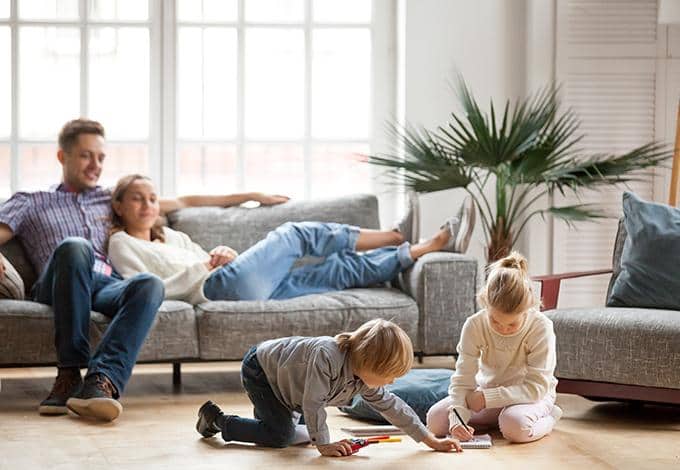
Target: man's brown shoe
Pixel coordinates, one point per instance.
(96, 399)
(67, 384)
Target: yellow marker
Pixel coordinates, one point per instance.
(391, 439)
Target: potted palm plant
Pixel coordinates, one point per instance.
(526, 153)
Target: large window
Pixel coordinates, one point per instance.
(61, 59)
(206, 96)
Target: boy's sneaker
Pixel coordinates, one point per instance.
(467, 217)
(96, 399)
(67, 384)
(208, 415)
(409, 225)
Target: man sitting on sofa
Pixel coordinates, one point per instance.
(64, 232)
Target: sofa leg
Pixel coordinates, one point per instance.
(177, 373)
(420, 356)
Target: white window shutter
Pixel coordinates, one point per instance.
(607, 69)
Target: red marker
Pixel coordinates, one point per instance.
(357, 444)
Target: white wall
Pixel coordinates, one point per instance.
(485, 41)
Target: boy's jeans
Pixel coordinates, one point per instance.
(70, 286)
(274, 424)
(265, 271)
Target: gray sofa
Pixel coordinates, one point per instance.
(430, 302)
(613, 352)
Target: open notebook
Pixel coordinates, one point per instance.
(481, 441)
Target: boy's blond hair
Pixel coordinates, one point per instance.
(508, 286)
(379, 347)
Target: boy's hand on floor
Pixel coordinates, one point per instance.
(475, 401)
(446, 444)
(459, 432)
(335, 449)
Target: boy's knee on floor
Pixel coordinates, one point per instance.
(515, 426)
(283, 437)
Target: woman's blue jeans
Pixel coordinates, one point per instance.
(266, 270)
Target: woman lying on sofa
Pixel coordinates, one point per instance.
(265, 270)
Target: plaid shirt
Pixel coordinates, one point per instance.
(43, 219)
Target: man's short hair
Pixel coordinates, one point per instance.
(72, 129)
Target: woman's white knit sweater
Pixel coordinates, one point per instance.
(179, 262)
(509, 369)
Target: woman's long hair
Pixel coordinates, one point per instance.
(117, 196)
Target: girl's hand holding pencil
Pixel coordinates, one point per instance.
(462, 433)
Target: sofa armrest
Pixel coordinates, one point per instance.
(444, 285)
(550, 285)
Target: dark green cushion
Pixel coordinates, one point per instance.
(420, 389)
(650, 262)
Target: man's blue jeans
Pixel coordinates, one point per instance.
(274, 423)
(265, 270)
(70, 286)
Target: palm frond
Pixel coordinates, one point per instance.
(530, 148)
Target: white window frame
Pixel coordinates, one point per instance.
(383, 87)
(163, 141)
(84, 24)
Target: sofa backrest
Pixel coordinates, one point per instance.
(15, 254)
(240, 228)
(621, 235)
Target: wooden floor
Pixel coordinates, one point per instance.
(156, 430)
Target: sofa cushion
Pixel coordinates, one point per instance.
(240, 228)
(27, 333)
(650, 262)
(11, 284)
(227, 329)
(420, 389)
(619, 345)
(173, 334)
(620, 240)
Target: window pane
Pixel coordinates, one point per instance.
(124, 159)
(48, 9)
(5, 191)
(207, 169)
(206, 69)
(338, 169)
(275, 169)
(275, 11)
(119, 81)
(207, 10)
(4, 8)
(5, 83)
(274, 78)
(46, 104)
(119, 9)
(341, 82)
(38, 167)
(344, 11)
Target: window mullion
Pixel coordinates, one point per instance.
(165, 82)
(84, 58)
(307, 148)
(159, 103)
(240, 97)
(14, 113)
